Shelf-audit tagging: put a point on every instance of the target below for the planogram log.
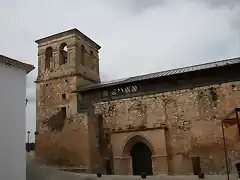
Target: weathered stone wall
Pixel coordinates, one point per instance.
(65, 141)
(193, 120)
(49, 95)
(89, 69)
(66, 148)
(59, 144)
(68, 143)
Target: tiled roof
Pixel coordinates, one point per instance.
(12, 62)
(164, 73)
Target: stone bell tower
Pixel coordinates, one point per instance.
(66, 61)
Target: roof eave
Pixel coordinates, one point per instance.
(15, 63)
(73, 31)
(127, 81)
(29, 68)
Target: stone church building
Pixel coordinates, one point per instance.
(161, 123)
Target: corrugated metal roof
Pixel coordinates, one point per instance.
(163, 73)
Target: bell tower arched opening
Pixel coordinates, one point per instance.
(48, 57)
(63, 54)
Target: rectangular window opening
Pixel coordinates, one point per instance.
(105, 94)
(63, 96)
(63, 112)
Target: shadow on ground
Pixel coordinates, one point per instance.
(37, 172)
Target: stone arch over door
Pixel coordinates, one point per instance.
(139, 150)
(132, 140)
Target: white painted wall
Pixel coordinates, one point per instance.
(12, 123)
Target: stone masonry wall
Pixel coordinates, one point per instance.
(61, 144)
(65, 139)
(193, 119)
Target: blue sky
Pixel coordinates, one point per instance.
(137, 36)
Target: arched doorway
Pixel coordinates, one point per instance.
(141, 159)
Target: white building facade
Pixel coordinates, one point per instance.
(12, 118)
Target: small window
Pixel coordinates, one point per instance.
(63, 96)
(83, 51)
(63, 112)
(114, 92)
(91, 53)
(105, 93)
(46, 85)
(80, 97)
(134, 88)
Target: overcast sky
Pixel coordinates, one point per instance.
(137, 36)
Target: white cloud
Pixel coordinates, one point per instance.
(136, 36)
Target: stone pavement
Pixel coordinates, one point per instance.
(44, 173)
(37, 172)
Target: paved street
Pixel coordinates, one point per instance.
(35, 172)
